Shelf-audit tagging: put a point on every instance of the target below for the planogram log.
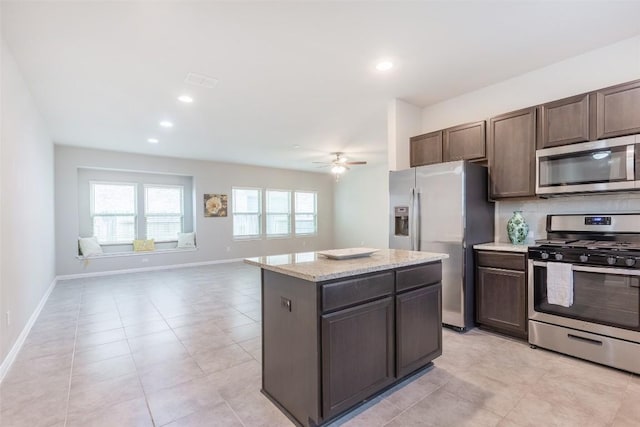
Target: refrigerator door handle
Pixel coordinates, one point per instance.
(414, 220)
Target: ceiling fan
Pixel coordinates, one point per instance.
(340, 164)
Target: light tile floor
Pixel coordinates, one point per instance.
(182, 348)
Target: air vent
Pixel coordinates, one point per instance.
(201, 80)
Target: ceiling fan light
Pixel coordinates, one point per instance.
(338, 169)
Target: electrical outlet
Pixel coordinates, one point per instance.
(228, 248)
(145, 259)
(8, 318)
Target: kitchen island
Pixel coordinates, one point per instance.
(337, 332)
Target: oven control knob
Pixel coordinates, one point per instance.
(630, 262)
(544, 255)
(611, 260)
(584, 258)
(558, 257)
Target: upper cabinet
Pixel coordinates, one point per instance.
(512, 138)
(464, 142)
(565, 121)
(426, 149)
(512, 144)
(605, 113)
(618, 110)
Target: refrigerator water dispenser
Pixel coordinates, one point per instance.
(402, 220)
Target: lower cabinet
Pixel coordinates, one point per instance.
(501, 293)
(418, 328)
(329, 346)
(357, 354)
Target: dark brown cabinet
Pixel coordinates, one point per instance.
(618, 110)
(426, 149)
(464, 142)
(512, 144)
(357, 354)
(501, 292)
(330, 345)
(565, 121)
(418, 330)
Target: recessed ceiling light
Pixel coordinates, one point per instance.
(153, 140)
(384, 65)
(166, 124)
(296, 146)
(185, 98)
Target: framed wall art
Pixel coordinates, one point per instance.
(215, 205)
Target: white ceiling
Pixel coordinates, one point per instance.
(290, 73)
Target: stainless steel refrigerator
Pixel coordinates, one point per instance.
(444, 208)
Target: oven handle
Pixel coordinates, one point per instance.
(604, 270)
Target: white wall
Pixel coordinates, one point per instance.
(214, 235)
(362, 208)
(613, 64)
(27, 256)
(403, 122)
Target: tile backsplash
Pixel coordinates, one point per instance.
(535, 211)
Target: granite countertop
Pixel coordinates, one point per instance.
(317, 268)
(503, 247)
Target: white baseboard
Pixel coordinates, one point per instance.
(11, 356)
(142, 269)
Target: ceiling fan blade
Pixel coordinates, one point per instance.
(323, 163)
(355, 163)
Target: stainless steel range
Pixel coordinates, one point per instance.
(584, 288)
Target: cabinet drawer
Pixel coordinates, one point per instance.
(413, 277)
(349, 292)
(508, 260)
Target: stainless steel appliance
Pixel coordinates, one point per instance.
(444, 208)
(602, 321)
(607, 165)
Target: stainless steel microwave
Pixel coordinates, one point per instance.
(606, 165)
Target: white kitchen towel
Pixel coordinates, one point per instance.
(560, 284)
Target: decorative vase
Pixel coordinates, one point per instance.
(517, 228)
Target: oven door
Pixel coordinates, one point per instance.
(606, 165)
(606, 300)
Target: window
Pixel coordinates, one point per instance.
(247, 209)
(163, 211)
(306, 213)
(113, 211)
(278, 212)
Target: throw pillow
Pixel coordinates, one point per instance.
(186, 240)
(89, 246)
(144, 245)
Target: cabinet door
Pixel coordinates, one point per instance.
(418, 328)
(501, 300)
(512, 144)
(426, 149)
(357, 354)
(564, 122)
(618, 110)
(464, 142)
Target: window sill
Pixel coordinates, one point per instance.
(127, 254)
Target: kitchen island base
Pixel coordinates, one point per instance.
(358, 406)
(331, 345)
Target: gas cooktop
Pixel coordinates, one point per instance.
(610, 240)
